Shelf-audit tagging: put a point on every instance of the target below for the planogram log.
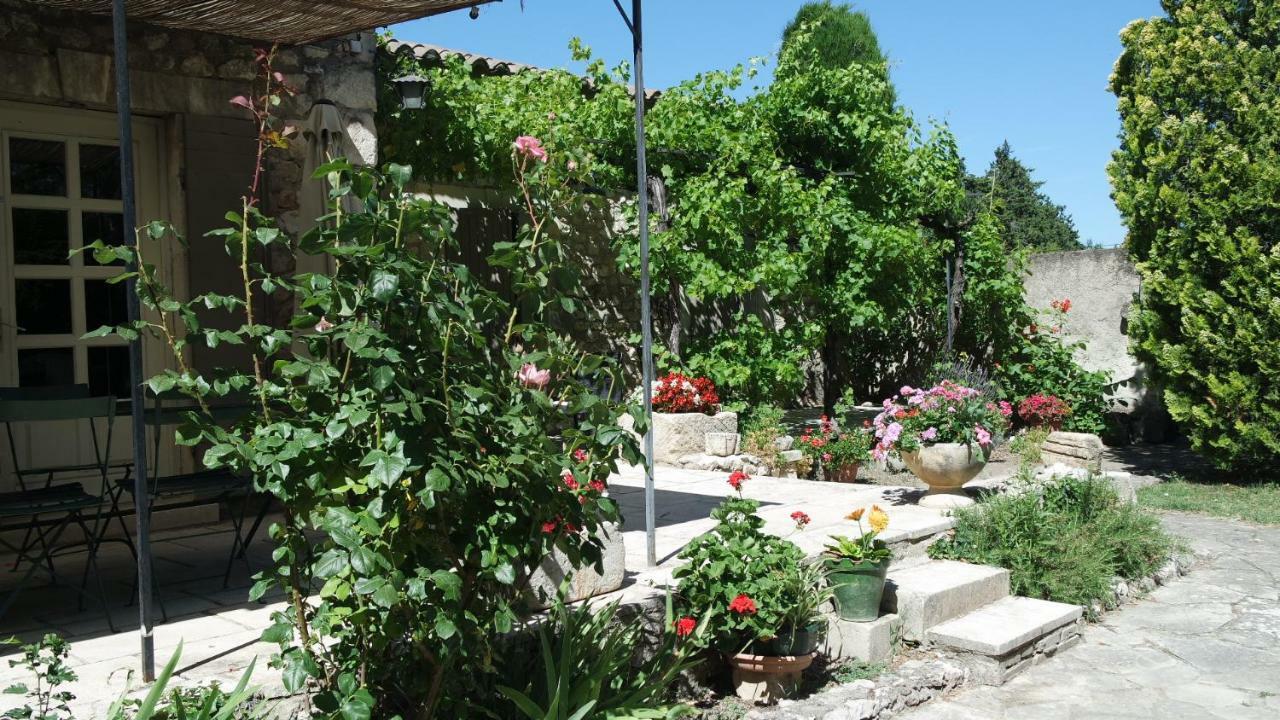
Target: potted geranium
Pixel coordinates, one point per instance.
(839, 453)
(759, 596)
(943, 434)
(856, 567)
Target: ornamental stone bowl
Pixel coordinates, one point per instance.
(945, 468)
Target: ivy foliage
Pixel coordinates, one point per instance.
(1197, 180)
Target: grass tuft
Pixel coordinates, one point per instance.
(1258, 503)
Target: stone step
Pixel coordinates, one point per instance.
(1007, 636)
(934, 592)
(869, 642)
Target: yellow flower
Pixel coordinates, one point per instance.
(855, 515)
(879, 519)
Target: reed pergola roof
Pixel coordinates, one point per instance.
(290, 22)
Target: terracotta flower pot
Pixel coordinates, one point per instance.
(945, 467)
(766, 679)
(844, 473)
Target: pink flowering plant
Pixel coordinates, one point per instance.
(945, 413)
(835, 447)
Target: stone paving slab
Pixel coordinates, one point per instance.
(1204, 646)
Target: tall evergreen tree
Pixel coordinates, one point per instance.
(839, 34)
(1028, 218)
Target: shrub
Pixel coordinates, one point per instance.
(678, 393)
(1043, 411)
(1044, 365)
(1195, 180)
(1064, 539)
(834, 448)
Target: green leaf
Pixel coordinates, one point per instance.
(382, 377)
(383, 285)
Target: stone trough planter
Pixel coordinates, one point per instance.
(676, 435)
(586, 581)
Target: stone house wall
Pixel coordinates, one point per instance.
(186, 79)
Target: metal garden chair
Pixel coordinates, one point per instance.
(191, 489)
(45, 512)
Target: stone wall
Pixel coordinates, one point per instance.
(65, 58)
(1102, 285)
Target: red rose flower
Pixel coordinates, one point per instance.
(685, 626)
(743, 605)
(736, 478)
(597, 485)
(569, 482)
(548, 527)
(801, 519)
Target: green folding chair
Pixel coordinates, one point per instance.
(46, 512)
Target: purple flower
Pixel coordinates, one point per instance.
(891, 433)
(929, 435)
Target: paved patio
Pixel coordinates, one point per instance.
(220, 629)
(1204, 646)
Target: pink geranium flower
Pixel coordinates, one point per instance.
(530, 147)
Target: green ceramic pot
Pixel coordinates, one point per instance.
(857, 587)
(796, 641)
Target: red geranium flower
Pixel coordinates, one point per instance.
(597, 485)
(743, 605)
(549, 527)
(801, 519)
(580, 455)
(736, 478)
(569, 482)
(685, 626)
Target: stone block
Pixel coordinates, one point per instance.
(676, 435)
(586, 581)
(932, 593)
(721, 444)
(1012, 622)
(869, 642)
(791, 456)
(1075, 449)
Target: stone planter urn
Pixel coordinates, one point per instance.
(945, 468)
(766, 679)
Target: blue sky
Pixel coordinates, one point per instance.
(1031, 72)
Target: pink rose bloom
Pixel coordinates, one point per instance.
(984, 437)
(929, 435)
(531, 377)
(580, 455)
(531, 147)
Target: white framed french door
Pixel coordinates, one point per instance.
(59, 191)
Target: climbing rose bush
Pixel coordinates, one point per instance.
(945, 413)
(431, 439)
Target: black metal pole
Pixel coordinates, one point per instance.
(646, 317)
(124, 108)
